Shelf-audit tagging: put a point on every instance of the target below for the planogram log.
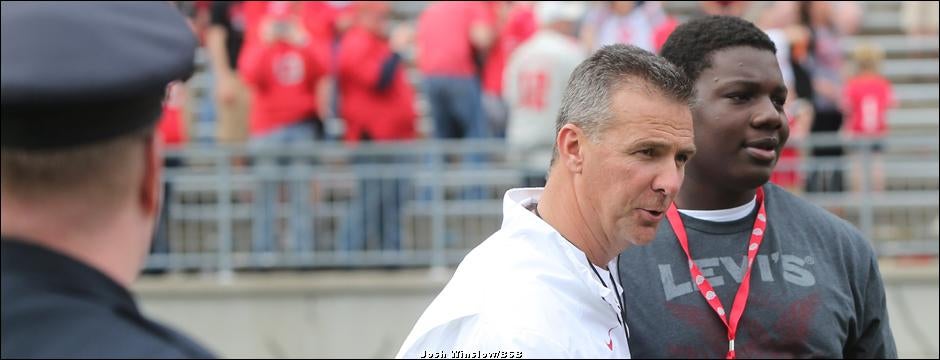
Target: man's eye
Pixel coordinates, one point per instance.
(682, 158)
(647, 152)
(737, 97)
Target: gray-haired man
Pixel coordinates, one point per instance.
(545, 284)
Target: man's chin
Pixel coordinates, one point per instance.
(643, 238)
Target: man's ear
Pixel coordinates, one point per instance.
(151, 185)
(570, 142)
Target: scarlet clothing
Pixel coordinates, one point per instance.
(380, 114)
(662, 32)
(787, 172)
(170, 126)
(253, 12)
(318, 18)
(283, 79)
(868, 97)
(790, 176)
(443, 37)
(520, 25)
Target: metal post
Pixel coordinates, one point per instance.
(438, 216)
(866, 212)
(224, 197)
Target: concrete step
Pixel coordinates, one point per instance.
(917, 95)
(897, 46)
(912, 70)
(913, 120)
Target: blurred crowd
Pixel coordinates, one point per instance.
(346, 72)
(286, 72)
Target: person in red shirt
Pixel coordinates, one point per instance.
(171, 126)
(282, 70)
(866, 99)
(516, 23)
(283, 67)
(376, 98)
(449, 37)
(787, 172)
(377, 103)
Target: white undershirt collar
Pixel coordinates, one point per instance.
(722, 215)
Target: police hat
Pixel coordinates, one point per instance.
(75, 73)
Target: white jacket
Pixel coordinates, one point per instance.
(525, 291)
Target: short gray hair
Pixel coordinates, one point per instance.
(586, 101)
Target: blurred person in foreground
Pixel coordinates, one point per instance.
(545, 284)
(81, 169)
(743, 268)
(535, 80)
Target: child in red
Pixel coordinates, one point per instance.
(867, 97)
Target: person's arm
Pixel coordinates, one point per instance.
(387, 73)
(482, 28)
(216, 37)
(400, 39)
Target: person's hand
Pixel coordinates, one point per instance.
(400, 38)
(225, 89)
(296, 33)
(268, 31)
(291, 31)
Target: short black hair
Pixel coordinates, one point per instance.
(691, 45)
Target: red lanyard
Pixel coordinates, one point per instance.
(705, 288)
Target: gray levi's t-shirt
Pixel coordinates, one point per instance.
(815, 288)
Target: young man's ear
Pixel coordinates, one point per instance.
(151, 185)
(570, 143)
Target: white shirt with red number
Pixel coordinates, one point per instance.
(533, 84)
(525, 291)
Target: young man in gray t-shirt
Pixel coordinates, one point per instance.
(812, 289)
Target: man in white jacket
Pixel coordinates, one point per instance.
(545, 284)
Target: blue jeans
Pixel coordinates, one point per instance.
(456, 107)
(375, 211)
(457, 111)
(271, 171)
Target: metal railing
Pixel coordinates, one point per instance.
(427, 203)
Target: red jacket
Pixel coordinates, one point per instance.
(382, 114)
(283, 79)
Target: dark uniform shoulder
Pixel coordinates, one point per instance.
(55, 326)
(55, 306)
